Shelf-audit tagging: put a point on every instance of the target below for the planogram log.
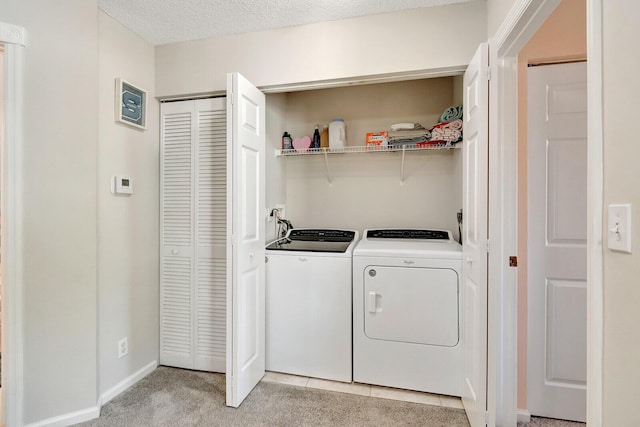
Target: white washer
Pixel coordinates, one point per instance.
(406, 310)
(308, 304)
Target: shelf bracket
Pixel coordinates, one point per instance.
(402, 166)
(326, 164)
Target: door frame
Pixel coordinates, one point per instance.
(523, 20)
(14, 40)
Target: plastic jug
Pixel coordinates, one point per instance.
(337, 134)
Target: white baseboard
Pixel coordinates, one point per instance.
(524, 416)
(69, 419)
(127, 382)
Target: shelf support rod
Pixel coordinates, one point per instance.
(402, 167)
(326, 164)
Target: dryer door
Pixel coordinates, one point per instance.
(411, 305)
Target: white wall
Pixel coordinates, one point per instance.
(497, 11)
(418, 39)
(59, 221)
(128, 226)
(276, 186)
(621, 178)
(366, 191)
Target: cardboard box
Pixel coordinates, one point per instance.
(377, 138)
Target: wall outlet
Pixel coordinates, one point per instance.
(276, 212)
(123, 347)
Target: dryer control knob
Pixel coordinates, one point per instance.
(372, 273)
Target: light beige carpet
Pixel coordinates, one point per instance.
(176, 397)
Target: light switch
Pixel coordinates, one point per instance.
(619, 228)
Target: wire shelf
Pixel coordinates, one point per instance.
(365, 149)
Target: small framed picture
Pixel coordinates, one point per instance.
(131, 104)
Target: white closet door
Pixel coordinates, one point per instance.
(246, 269)
(176, 234)
(475, 180)
(193, 235)
(210, 234)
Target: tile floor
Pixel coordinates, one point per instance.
(365, 390)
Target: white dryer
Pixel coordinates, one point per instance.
(406, 310)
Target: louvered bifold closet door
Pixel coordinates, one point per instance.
(176, 234)
(211, 235)
(193, 234)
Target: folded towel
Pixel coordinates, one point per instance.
(451, 113)
(432, 143)
(409, 133)
(407, 141)
(448, 132)
(447, 136)
(453, 124)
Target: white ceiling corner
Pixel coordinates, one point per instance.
(169, 21)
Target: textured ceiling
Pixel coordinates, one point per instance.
(169, 21)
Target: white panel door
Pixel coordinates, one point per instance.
(245, 253)
(557, 241)
(474, 243)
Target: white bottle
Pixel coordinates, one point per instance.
(337, 134)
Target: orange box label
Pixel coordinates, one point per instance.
(377, 138)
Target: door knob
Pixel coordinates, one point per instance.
(251, 254)
(174, 252)
(469, 260)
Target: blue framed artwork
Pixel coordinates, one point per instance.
(131, 104)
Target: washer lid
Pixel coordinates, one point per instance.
(315, 240)
(287, 244)
(421, 243)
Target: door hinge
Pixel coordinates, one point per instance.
(487, 245)
(513, 261)
(233, 98)
(486, 418)
(488, 73)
